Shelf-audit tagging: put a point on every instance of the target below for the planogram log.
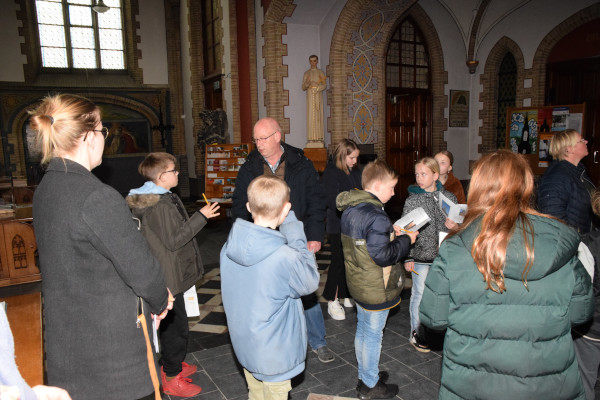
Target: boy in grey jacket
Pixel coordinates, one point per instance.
(170, 234)
(264, 272)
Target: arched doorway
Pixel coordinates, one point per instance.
(408, 106)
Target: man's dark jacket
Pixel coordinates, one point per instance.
(306, 194)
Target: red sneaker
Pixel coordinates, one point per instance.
(187, 369)
(179, 386)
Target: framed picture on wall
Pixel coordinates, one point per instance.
(127, 137)
(458, 116)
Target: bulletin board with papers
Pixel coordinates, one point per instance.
(530, 129)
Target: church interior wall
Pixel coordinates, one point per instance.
(302, 42)
(153, 44)
(280, 46)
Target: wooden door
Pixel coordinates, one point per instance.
(408, 138)
(574, 82)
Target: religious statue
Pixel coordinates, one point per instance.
(314, 82)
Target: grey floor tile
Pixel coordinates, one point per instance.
(314, 365)
(304, 381)
(401, 374)
(214, 352)
(420, 390)
(431, 369)
(338, 380)
(232, 385)
(391, 339)
(221, 365)
(409, 356)
(214, 395)
(341, 342)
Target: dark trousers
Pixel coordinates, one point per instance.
(588, 358)
(173, 331)
(336, 275)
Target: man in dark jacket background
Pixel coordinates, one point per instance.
(273, 157)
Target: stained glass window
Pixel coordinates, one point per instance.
(407, 63)
(507, 94)
(72, 35)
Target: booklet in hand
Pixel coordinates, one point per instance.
(414, 220)
(456, 212)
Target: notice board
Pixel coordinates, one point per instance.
(530, 129)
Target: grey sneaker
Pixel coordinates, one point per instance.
(324, 354)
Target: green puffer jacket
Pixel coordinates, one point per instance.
(371, 251)
(514, 345)
(171, 237)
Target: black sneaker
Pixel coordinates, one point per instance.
(418, 342)
(383, 377)
(379, 391)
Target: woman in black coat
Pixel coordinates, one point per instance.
(98, 274)
(341, 174)
(565, 189)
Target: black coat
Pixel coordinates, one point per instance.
(306, 194)
(94, 264)
(335, 181)
(592, 329)
(564, 193)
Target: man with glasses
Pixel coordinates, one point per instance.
(274, 157)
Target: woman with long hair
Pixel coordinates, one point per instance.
(507, 286)
(341, 174)
(100, 281)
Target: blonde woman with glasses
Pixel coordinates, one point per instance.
(98, 274)
(565, 189)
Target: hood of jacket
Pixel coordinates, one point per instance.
(416, 189)
(249, 244)
(352, 198)
(555, 244)
(140, 199)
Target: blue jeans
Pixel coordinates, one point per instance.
(315, 326)
(367, 343)
(416, 293)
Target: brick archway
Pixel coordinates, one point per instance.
(550, 40)
(146, 105)
(349, 31)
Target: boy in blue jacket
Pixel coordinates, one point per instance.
(372, 249)
(264, 272)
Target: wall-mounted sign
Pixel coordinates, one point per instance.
(459, 109)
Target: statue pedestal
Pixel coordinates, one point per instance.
(315, 144)
(318, 156)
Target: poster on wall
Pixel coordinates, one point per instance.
(524, 131)
(459, 109)
(559, 118)
(544, 154)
